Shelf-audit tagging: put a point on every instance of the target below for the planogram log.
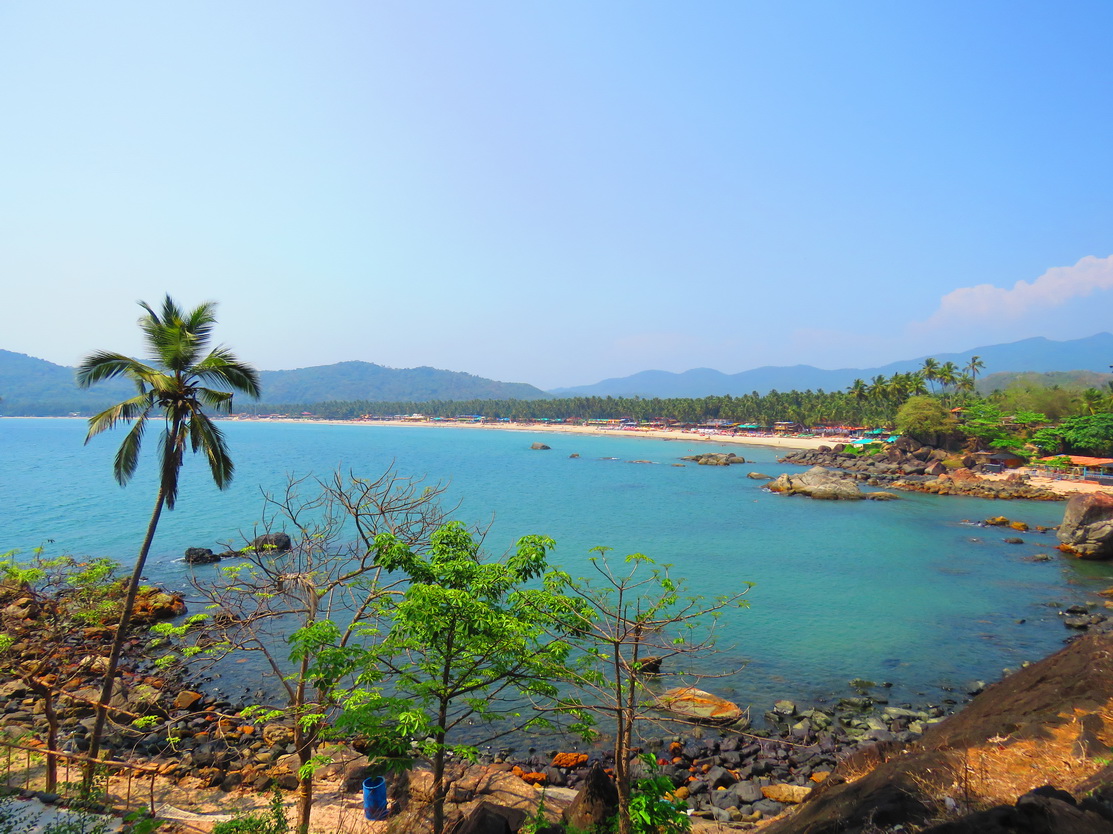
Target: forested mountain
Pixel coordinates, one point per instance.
(1094, 353)
(366, 381)
(30, 386)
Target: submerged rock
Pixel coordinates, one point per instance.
(696, 705)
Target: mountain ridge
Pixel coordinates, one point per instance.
(1038, 353)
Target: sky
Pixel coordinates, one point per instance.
(558, 193)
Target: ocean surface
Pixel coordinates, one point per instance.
(903, 591)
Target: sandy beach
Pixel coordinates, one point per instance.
(677, 435)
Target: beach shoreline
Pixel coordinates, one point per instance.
(674, 435)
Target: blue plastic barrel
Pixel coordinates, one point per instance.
(374, 798)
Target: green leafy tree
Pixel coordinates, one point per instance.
(173, 387)
(926, 419)
(1086, 435)
(327, 590)
(469, 643)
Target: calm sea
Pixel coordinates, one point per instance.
(900, 591)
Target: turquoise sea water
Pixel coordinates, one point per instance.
(898, 591)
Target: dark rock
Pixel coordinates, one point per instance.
(539, 446)
(276, 542)
(596, 802)
(200, 556)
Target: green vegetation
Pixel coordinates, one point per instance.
(466, 637)
(653, 808)
(171, 388)
(926, 419)
(1088, 435)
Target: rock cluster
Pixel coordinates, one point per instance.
(274, 542)
(715, 458)
(818, 482)
(921, 470)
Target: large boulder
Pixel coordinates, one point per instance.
(1087, 528)
(818, 482)
(539, 446)
(200, 556)
(693, 704)
(276, 542)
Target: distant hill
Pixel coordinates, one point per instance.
(1068, 380)
(1094, 353)
(35, 387)
(367, 381)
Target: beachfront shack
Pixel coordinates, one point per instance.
(1099, 470)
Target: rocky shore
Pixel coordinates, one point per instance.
(907, 465)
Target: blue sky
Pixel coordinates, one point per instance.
(557, 193)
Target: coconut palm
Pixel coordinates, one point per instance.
(930, 371)
(974, 367)
(173, 389)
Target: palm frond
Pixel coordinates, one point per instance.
(207, 436)
(220, 400)
(171, 447)
(221, 366)
(132, 409)
(127, 456)
(103, 365)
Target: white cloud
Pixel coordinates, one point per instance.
(1054, 288)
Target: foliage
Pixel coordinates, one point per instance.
(1090, 434)
(272, 822)
(173, 389)
(468, 642)
(924, 418)
(653, 808)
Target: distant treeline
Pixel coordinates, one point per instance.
(872, 403)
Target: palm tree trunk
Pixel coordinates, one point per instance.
(118, 642)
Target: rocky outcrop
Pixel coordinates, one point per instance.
(200, 556)
(914, 468)
(1013, 738)
(818, 482)
(1087, 528)
(715, 459)
(539, 446)
(693, 704)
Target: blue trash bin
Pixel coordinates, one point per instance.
(374, 798)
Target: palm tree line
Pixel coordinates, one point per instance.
(872, 403)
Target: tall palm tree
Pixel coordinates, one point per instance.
(171, 388)
(930, 371)
(947, 375)
(974, 367)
